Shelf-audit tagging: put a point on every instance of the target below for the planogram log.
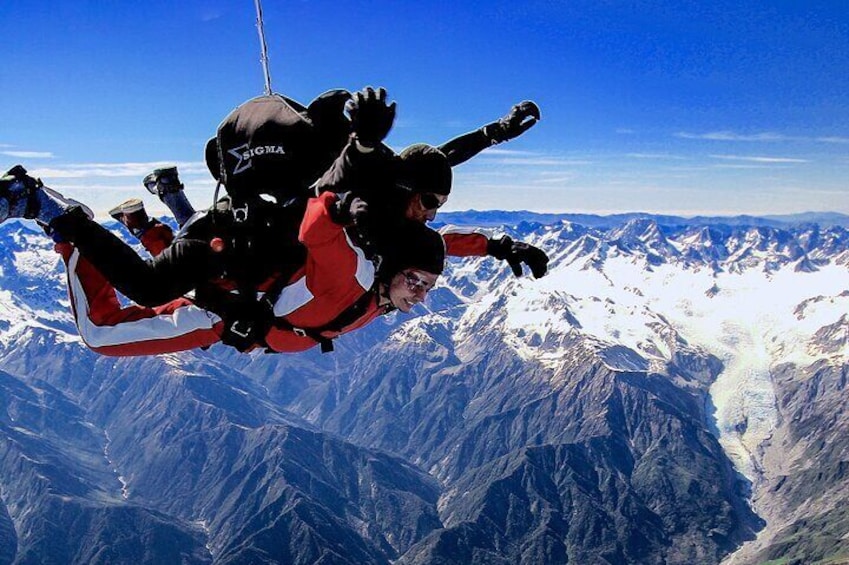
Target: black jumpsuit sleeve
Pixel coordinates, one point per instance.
(462, 148)
(370, 175)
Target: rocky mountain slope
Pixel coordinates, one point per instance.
(669, 393)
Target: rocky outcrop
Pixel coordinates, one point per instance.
(803, 498)
(516, 422)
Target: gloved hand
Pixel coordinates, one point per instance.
(371, 117)
(358, 210)
(521, 118)
(246, 324)
(516, 253)
(349, 210)
(352, 212)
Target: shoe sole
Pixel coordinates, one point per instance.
(28, 184)
(127, 207)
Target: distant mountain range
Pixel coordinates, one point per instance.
(673, 391)
(491, 218)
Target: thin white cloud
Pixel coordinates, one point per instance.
(666, 156)
(211, 14)
(27, 154)
(554, 180)
(770, 137)
(543, 162)
(495, 151)
(111, 170)
(690, 169)
(625, 131)
(749, 166)
(756, 159)
(833, 139)
(732, 136)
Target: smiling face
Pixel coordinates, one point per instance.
(409, 287)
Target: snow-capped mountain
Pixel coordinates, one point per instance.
(754, 297)
(665, 394)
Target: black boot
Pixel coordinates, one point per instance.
(166, 184)
(17, 194)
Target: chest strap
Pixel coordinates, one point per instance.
(345, 318)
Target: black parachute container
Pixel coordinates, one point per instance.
(273, 145)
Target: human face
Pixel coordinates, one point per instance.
(422, 206)
(409, 287)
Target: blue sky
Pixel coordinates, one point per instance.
(717, 107)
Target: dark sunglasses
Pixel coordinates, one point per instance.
(414, 283)
(430, 201)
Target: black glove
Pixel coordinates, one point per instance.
(352, 213)
(516, 253)
(371, 116)
(349, 210)
(245, 327)
(521, 118)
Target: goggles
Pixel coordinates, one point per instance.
(430, 201)
(416, 284)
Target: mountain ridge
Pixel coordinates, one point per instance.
(491, 218)
(644, 402)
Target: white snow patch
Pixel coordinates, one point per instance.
(751, 319)
(35, 262)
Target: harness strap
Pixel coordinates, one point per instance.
(345, 318)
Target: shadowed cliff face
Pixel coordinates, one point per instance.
(583, 464)
(61, 499)
(193, 467)
(517, 421)
(804, 492)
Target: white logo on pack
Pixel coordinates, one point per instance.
(244, 153)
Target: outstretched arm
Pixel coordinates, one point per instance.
(521, 118)
(471, 242)
(517, 253)
(365, 164)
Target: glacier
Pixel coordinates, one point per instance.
(739, 295)
(635, 295)
(753, 308)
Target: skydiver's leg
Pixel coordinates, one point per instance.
(178, 269)
(110, 329)
(153, 234)
(22, 196)
(166, 184)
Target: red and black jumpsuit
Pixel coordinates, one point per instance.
(335, 275)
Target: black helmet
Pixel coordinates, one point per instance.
(411, 245)
(424, 168)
